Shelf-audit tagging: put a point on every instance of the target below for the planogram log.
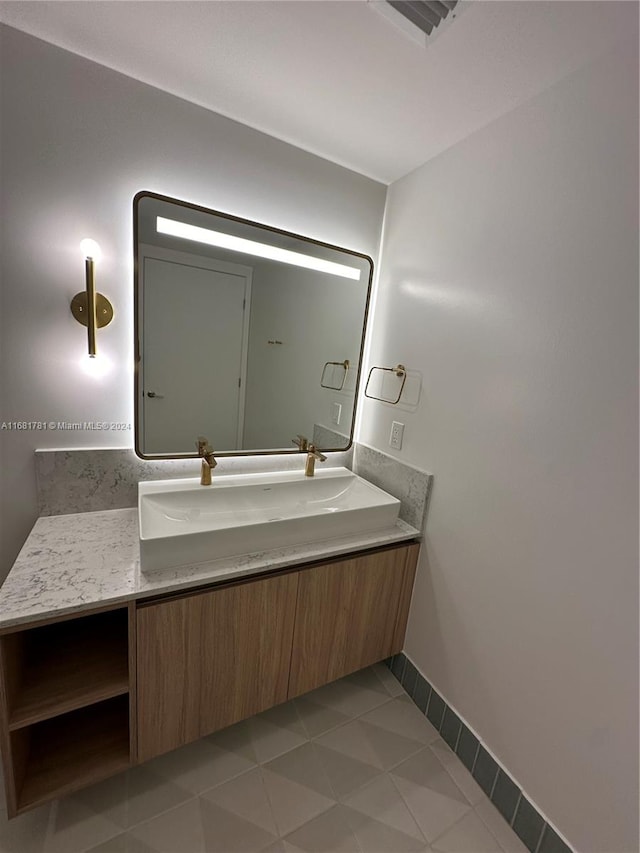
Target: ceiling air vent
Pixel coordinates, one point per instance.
(424, 14)
(422, 20)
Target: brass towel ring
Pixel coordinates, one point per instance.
(345, 365)
(399, 370)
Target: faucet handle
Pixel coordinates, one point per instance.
(208, 460)
(312, 455)
(302, 442)
(314, 452)
(203, 446)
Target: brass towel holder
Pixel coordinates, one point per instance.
(399, 370)
(344, 364)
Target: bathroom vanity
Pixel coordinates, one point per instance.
(103, 667)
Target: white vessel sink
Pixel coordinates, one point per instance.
(182, 522)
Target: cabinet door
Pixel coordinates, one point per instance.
(247, 631)
(349, 615)
(168, 676)
(210, 659)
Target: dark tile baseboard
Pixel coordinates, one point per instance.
(537, 835)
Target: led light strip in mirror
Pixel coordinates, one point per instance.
(250, 247)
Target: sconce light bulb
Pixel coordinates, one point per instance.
(90, 249)
(96, 367)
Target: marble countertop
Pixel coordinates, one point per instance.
(72, 563)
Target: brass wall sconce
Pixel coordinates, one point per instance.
(91, 309)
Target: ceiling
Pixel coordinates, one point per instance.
(335, 77)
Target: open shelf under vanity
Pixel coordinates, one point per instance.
(66, 701)
(67, 752)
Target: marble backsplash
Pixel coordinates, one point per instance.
(410, 485)
(92, 480)
(71, 481)
(325, 437)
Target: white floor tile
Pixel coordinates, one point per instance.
(318, 719)
(458, 772)
(124, 843)
(327, 833)
(293, 804)
(179, 829)
(381, 800)
(200, 765)
(226, 832)
(506, 837)
(25, 833)
(246, 797)
(388, 679)
(149, 795)
(404, 718)
(469, 835)
(346, 774)
(75, 828)
(430, 793)
(374, 836)
(348, 698)
(276, 732)
(353, 767)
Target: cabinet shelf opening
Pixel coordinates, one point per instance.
(68, 665)
(68, 752)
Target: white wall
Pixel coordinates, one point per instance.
(509, 278)
(78, 141)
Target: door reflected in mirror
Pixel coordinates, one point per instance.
(246, 334)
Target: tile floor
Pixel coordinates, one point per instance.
(353, 766)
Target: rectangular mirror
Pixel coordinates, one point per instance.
(246, 334)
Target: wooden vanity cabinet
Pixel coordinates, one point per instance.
(350, 614)
(209, 659)
(84, 697)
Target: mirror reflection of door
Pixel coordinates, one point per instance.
(196, 322)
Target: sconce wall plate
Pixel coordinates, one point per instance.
(104, 309)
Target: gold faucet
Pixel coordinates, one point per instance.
(312, 455)
(208, 460)
(302, 442)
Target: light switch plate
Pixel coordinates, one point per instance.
(336, 413)
(395, 438)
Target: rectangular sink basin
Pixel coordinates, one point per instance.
(182, 522)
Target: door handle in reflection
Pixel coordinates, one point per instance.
(153, 395)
